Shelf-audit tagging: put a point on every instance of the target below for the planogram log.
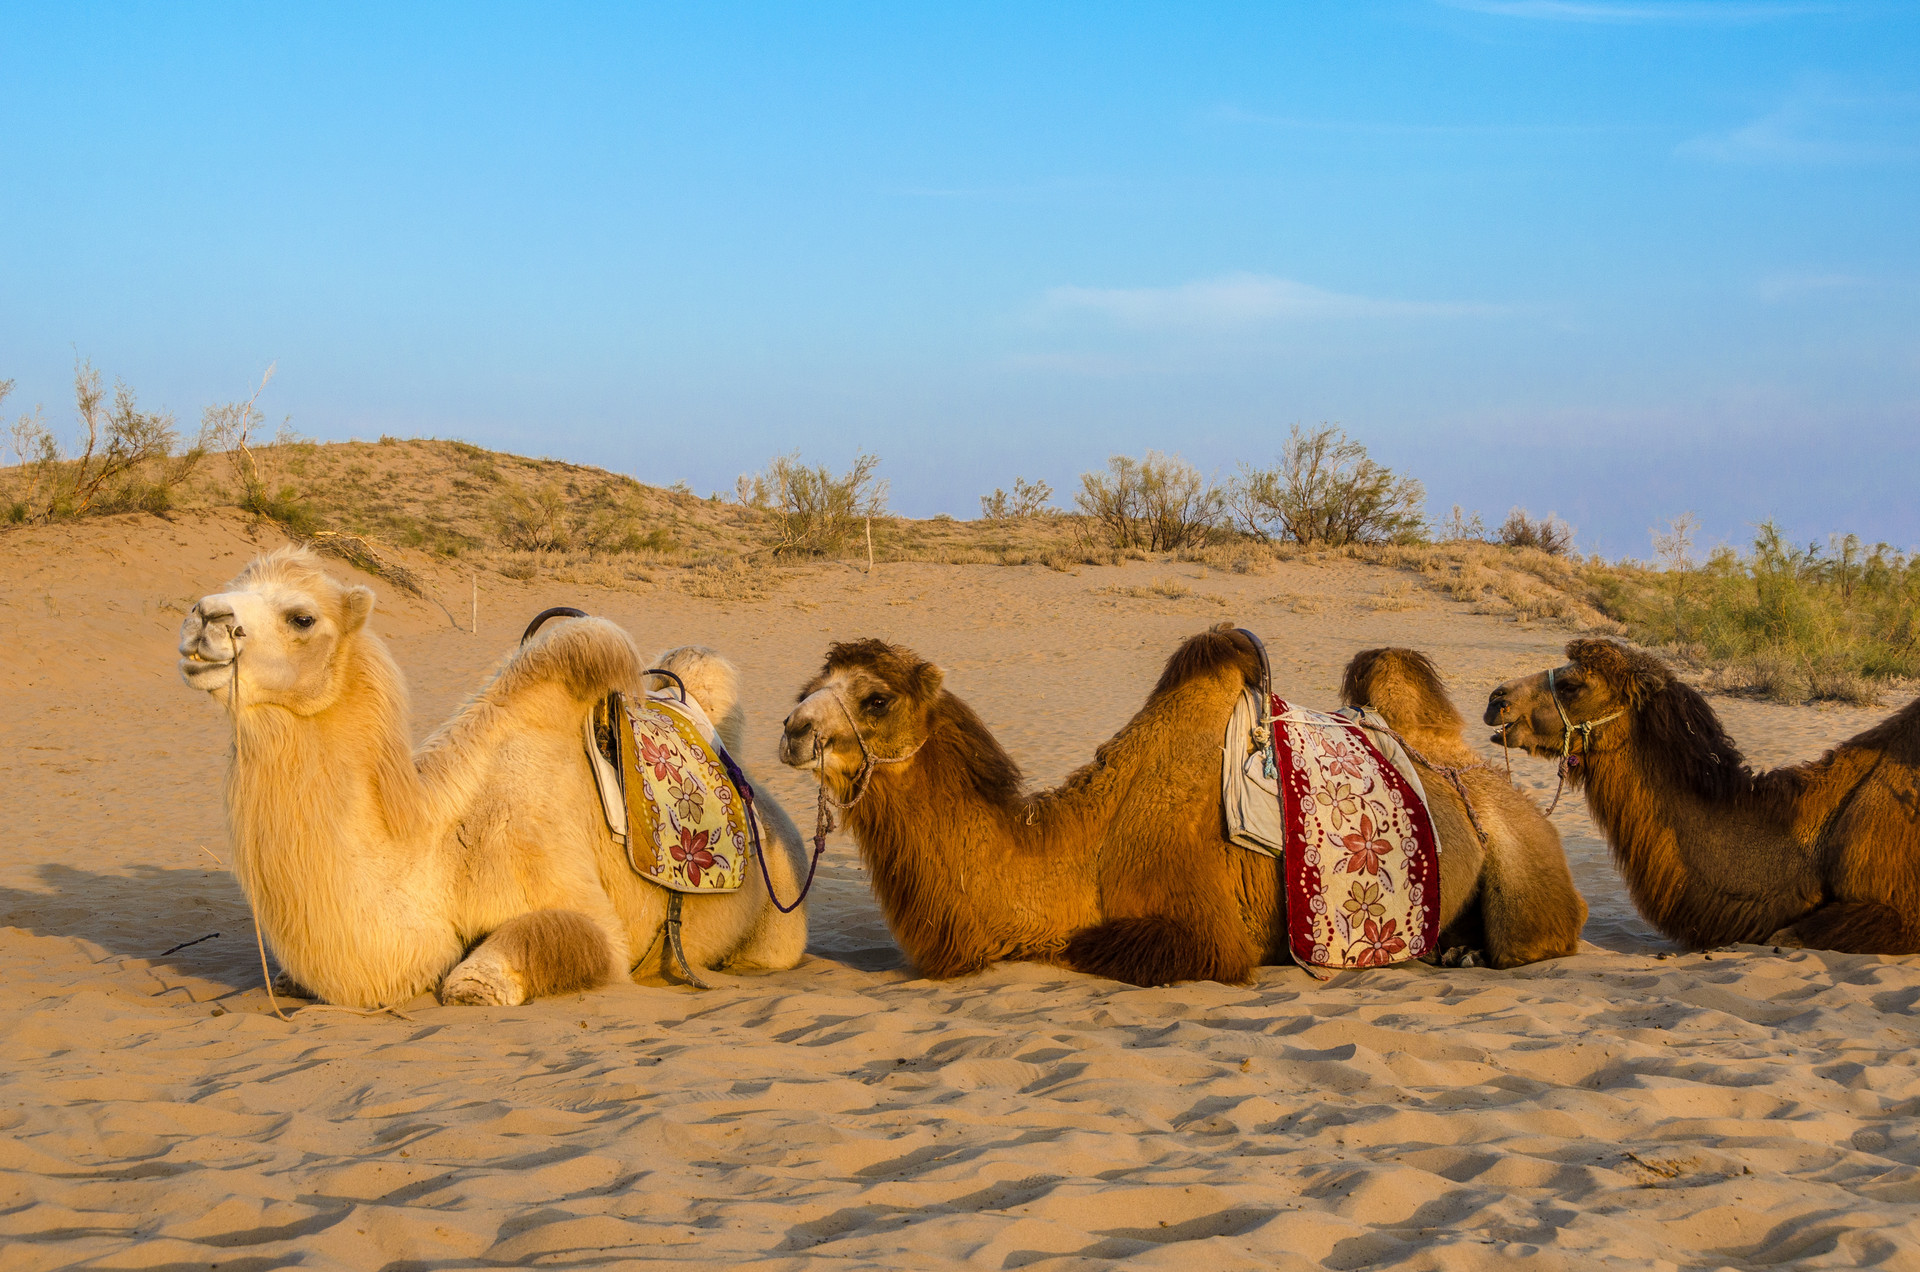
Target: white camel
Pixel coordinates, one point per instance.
(481, 861)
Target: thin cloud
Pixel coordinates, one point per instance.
(1818, 125)
(1236, 300)
(1778, 287)
(1230, 114)
(1597, 11)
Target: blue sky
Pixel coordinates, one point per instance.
(1615, 260)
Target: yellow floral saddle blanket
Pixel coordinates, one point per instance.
(671, 793)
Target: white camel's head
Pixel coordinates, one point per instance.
(275, 631)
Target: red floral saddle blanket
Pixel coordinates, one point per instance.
(1359, 854)
(669, 794)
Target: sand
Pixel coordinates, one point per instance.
(1632, 1106)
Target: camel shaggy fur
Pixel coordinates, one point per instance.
(1123, 870)
(1511, 894)
(480, 861)
(1824, 854)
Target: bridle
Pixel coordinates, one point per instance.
(868, 760)
(1569, 758)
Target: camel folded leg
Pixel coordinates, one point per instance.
(1157, 950)
(531, 956)
(1852, 927)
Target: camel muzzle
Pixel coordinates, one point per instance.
(210, 639)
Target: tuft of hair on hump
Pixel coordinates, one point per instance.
(1672, 724)
(1223, 645)
(713, 682)
(294, 565)
(1404, 686)
(900, 667)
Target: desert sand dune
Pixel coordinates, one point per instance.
(1631, 1106)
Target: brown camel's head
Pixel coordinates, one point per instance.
(872, 703)
(1602, 685)
(276, 631)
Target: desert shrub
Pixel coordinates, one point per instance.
(532, 522)
(816, 512)
(1029, 499)
(1549, 533)
(1785, 621)
(284, 506)
(1159, 502)
(1326, 490)
(1459, 527)
(122, 461)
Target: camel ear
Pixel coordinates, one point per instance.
(927, 679)
(358, 603)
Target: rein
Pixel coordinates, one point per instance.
(823, 819)
(1569, 758)
(1452, 774)
(233, 712)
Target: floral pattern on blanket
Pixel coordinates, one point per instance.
(1362, 861)
(689, 829)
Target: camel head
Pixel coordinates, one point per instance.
(275, 630)
(1602, 680)
(886, 693)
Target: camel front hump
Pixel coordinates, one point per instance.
(482, 862)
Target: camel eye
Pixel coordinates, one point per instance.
(302, 621)
(877, 704)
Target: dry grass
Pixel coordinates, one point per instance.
(415, 511)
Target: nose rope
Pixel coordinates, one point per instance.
(235, 634)
(1569, 758)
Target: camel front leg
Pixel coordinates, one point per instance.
(1851, 927)
(531, 956)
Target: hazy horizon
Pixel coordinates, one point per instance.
(1616, 261)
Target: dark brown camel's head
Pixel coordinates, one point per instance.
(1602, 680)
(872, 702)
(1404, 686)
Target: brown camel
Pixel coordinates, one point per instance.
(1123, 870)
(1824, 855)
(1518, 905)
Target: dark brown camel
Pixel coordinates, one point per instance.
(1824, 854)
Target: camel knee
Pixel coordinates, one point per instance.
(530, 956)
(1156, 950)
(1851, 927)
(778, 941)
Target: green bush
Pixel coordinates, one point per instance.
(1159, 502)
(1794, 622)
(1326, 490)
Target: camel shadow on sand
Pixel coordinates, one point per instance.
(144, 913)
